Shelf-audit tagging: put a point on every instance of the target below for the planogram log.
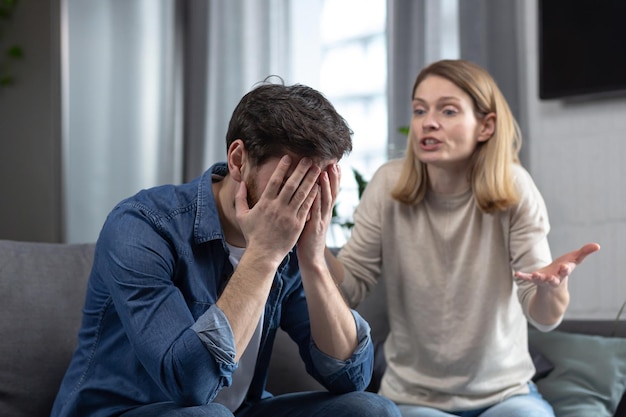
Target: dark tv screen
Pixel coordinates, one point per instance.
(582, 47)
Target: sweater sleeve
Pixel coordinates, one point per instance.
(361, 256)
(528, 239)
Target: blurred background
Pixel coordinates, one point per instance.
(99, 99)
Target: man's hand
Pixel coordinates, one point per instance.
(554, 274)
(312, 242)
(271, 228)
(276, 221)
(332, 325)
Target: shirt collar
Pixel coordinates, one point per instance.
(207, 224)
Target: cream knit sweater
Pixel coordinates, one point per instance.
(458, 337)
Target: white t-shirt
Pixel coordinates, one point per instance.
(233, 396)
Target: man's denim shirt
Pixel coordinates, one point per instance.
(151, 331)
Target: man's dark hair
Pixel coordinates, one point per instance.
(275, 118)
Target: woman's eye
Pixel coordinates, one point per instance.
(419, 112)
(449, 111)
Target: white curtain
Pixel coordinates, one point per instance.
(240, 43)
(491, 36)
(121, 106)
(418, 32)
(148, 89)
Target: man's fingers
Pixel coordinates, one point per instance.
(312, 200)
(275, 183)
(325, 189)
(300, 183)
(295, 185)
(334, 177)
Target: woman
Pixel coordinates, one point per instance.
(462, 216)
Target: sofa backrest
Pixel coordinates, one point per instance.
(42, 289)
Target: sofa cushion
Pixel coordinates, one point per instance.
(589, 375)
(42, 288)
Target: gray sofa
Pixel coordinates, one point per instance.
(41, 295)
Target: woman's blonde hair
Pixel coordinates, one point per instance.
(490, 167)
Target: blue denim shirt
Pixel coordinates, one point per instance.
(151, 331)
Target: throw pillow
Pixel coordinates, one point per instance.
(589, 375)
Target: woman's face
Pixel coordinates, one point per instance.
(444, 128)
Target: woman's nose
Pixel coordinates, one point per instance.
(430, 121)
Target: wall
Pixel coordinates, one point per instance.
(30, 128)
(576, 155)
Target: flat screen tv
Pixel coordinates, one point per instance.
(582, 47)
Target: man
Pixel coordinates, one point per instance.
(190, 282)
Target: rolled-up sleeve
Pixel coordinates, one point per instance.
(216, 335)
(353, 374)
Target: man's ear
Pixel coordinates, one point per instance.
(237, 159)
(487, 127)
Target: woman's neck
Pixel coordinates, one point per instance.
(447, 181)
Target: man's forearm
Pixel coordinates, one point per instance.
(332, 325)
(334, 266)
(245, 295)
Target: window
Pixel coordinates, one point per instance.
(346, 59)
(353, 76)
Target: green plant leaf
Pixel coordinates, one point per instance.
(6, 8)
(404, 130)
(7, 80)
(15, 52)
(360, 182)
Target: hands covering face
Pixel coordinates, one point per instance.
(312, 241)
(293, 207)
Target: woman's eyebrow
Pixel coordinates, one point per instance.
(444, 98)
